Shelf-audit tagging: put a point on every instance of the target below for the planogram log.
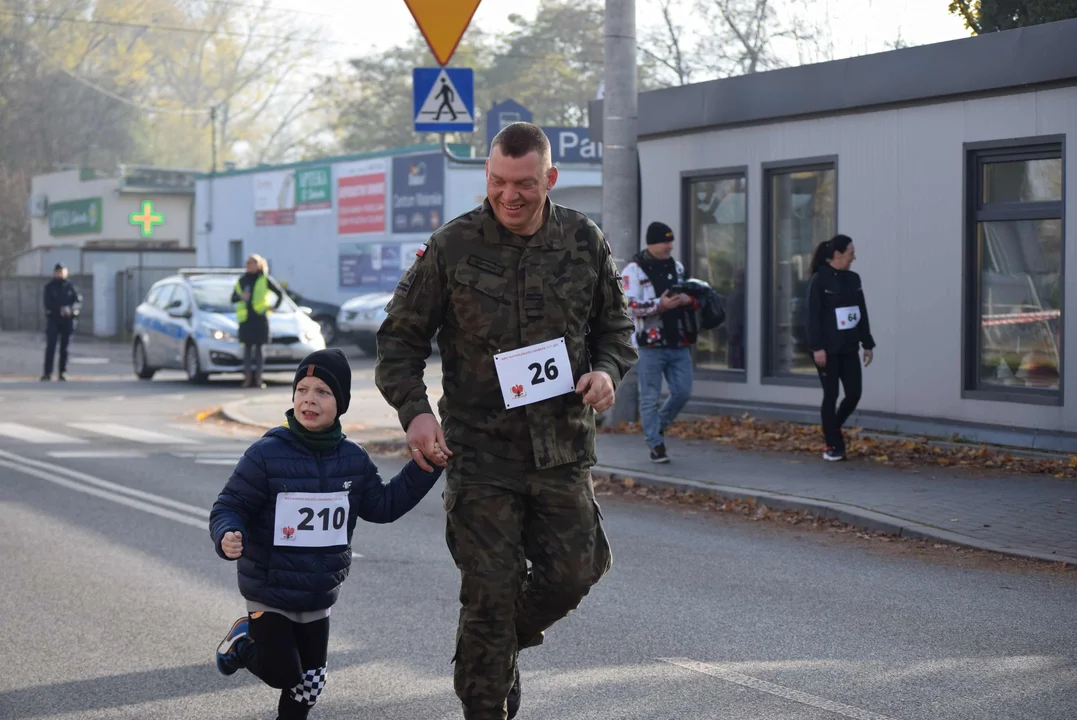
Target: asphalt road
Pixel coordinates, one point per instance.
(113, 599)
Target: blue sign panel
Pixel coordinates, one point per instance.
(418, 193)
(444, 99)
(371, 266)
(502, 114)
(569, 145)
(573, 145)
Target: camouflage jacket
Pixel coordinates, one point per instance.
(483, 290)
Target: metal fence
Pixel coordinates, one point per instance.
(22, 303)
(132, 285)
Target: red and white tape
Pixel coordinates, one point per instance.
(1020, 318)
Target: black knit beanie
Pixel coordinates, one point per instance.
(659, 233)
(331, 367)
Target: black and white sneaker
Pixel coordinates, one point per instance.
(832, 454)
(658, 455)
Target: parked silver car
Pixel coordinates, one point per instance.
(359, 319)
(188, 322)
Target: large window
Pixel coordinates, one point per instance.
(715, 208)
(1014, 274)
(801, 211)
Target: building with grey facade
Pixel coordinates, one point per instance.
(947, 165)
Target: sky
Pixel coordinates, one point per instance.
(857, 26)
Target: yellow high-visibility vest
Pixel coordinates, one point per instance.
(259, 299)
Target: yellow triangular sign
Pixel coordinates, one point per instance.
(442, 23)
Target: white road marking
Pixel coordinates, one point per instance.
(217, 461)
(100, 454)
(37, 436)
(89, 361)
(125, 432)
(776, 690)
(94, 486)
(356, 555)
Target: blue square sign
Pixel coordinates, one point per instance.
(444, 99)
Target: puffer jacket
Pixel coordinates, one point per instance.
(301, 579)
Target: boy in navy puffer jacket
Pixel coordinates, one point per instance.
(287, 515)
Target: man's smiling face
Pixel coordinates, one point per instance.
(517, 189)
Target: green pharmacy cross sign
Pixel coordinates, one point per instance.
(148, 220)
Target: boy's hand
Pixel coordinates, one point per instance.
(232, 544)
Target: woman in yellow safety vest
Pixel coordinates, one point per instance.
(251, 297)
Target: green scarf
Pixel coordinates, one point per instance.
(317, 442)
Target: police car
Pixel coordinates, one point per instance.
(188, 322)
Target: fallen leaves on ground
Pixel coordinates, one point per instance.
(750, 433)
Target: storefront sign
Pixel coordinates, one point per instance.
(418, 193)
(313, 190)
(75, 217)
(274, 198)
(374, 266)
(361, 197)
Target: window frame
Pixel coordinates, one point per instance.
(232, 257)
(768, 374)
(687, 245)
(975, 212)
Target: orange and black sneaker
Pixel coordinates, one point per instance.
(228, 659)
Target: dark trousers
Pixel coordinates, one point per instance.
(500, 514)
(57, 329)
(253, 359)
(288, 656)
(843, 368)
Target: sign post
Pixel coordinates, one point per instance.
(444, 98)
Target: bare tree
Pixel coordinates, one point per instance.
(706, 39)
(665, 48)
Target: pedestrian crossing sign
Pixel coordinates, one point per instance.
(444, 99)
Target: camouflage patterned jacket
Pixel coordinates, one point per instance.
(483, 290)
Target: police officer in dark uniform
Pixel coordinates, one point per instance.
(62, 305)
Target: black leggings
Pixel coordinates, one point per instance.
(843, 368)
(289, 656)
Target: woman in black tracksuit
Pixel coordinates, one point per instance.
(837, 328)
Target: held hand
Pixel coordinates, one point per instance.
(426, 441)
(667, 302)
(685, 300)
(820, 357)
(597, 390)
(246, 295)
(232, 544)
(868, 357)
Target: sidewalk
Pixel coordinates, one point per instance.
(1026, 516)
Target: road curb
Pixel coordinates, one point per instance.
(234, 412)
(852, 515)
(389, 441)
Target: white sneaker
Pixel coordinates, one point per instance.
(832, 455)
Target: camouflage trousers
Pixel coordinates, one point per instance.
(500, 514)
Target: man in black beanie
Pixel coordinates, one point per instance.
(666, 328)
(62, 304)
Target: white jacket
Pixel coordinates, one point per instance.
(644, 306)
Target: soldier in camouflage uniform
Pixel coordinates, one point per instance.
(510, 275)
